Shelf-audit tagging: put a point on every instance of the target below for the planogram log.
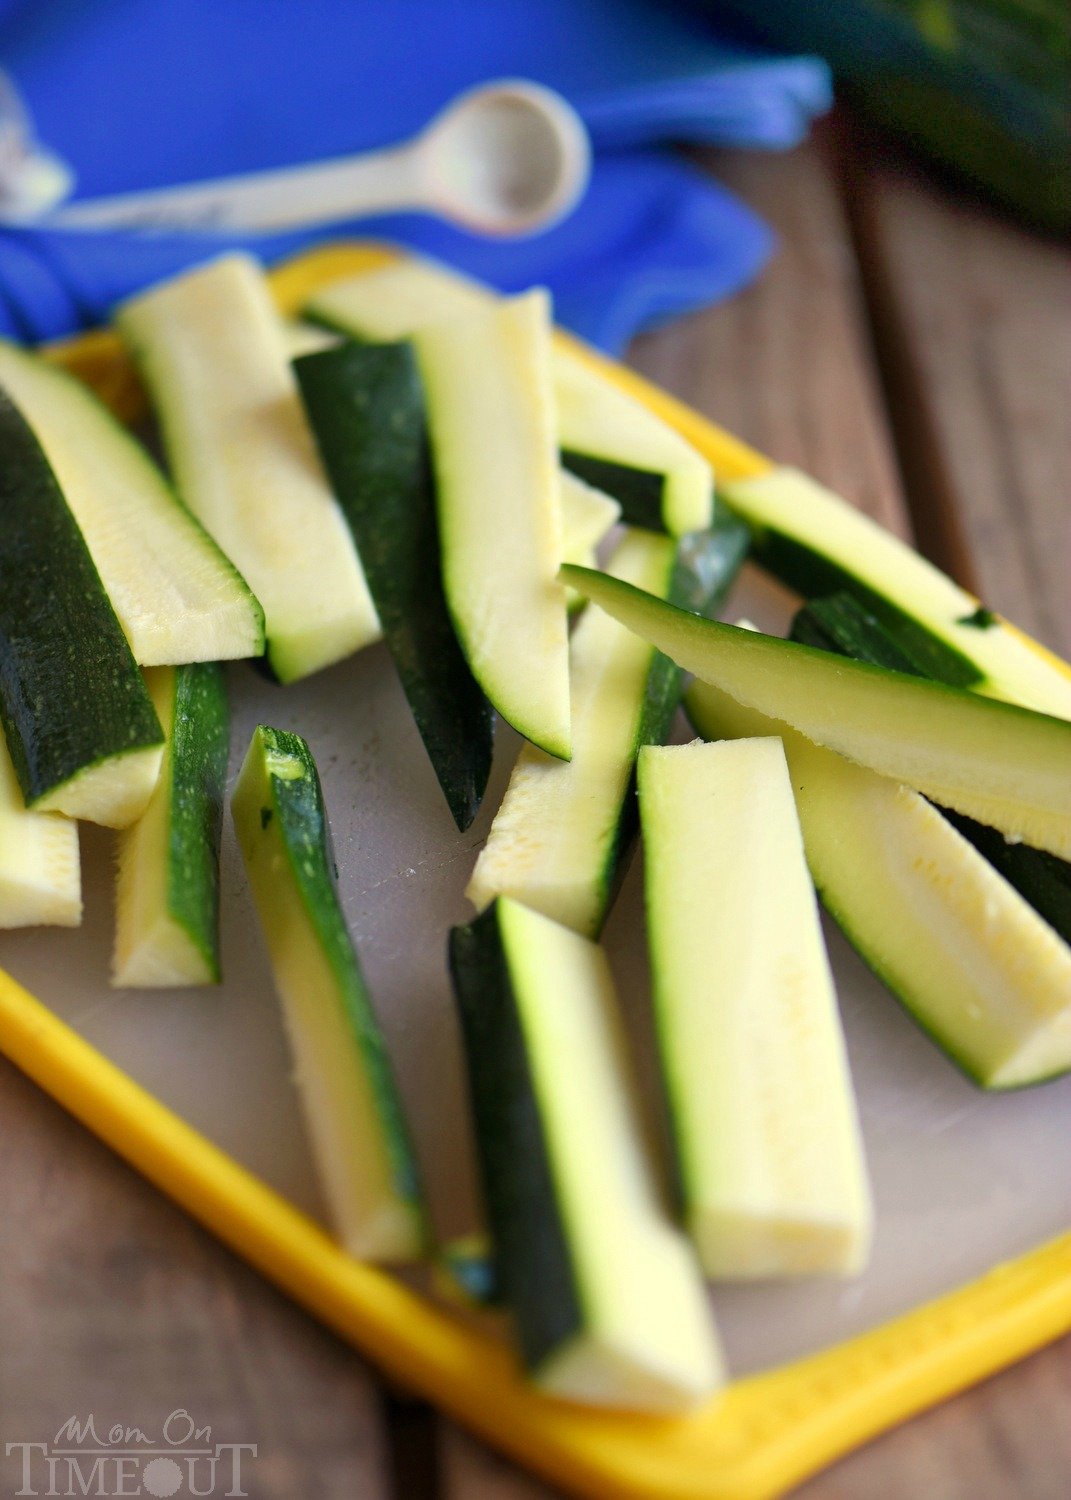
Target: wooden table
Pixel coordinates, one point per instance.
(912, 351)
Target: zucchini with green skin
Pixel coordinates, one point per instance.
(603, 1287)
(840, 624)
(80, 727)
(354, 1115)
(967, 956)
(1040, 878)
(210, 348)
(174, 593)
(614, 442)
(558, 837)
(366, 406)
(1003, 765)
(40, 873)
(818, 544)
(762, 1115)
(637, 491)
(167, 890)
(486, 381)
(607, 438)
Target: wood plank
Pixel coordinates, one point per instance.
(1008, 1439)
(113, 1302)
(972, 326)
(973, 316)
(470, 1471)
(788, 364)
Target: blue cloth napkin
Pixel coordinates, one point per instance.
(136, 94)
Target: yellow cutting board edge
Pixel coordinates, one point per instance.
(757, 1439)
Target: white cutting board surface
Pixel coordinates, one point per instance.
(961, 1180)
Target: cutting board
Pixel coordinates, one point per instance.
(963, 1181)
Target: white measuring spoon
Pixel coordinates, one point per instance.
(505, 158)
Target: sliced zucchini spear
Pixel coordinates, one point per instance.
(562, 827)
(366, 406)
(604, 1289)
(1003, 765)
(607, 437)
(352, 1109)
(1039, 877)
(486, 382)
(965, 953)
(841, 624)
(614, 442)
(587, 515)
(176, 596)
(394, 301)
(838, 622)
(210, 348)
(763, 1119)
(80, 727)
(167, 892)
(818, 544)
(40, 874)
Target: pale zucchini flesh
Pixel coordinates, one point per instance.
(490, 418)
(306, 338)
(557, 835)
(176, 596)
(1004, 765)
(167, 886)
(210, 348)
(601, 423)
(352, 1109)
(819, 544)
(607, 436)
(40, 873)
(763, 1119)
(114, 793)
(840, 623)
(965, 953)
(391, 303)
(587, 515)
(604, 1289)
